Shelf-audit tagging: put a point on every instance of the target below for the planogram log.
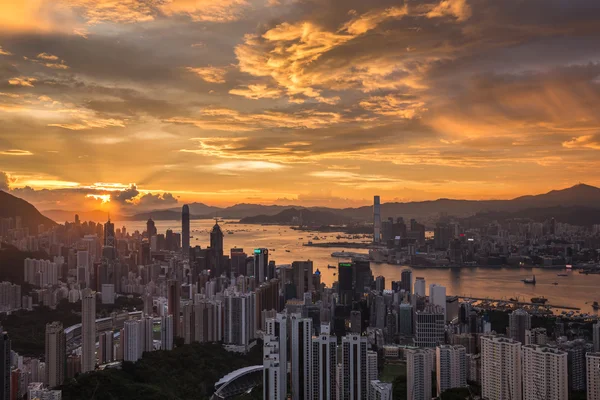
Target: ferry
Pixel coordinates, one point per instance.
(529, 281)
(562, 274)
(331, 266)
(539, 300)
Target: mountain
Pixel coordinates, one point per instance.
(578, 195)
(157, 215)
(61, 216)
(199, 209)
(247, 210)
(11, 206)
(574, 215)
(293, 215)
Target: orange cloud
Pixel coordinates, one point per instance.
(210, 74)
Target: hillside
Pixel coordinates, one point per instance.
(11, 206)
(12, 261)
(293, 215)
(575, 215)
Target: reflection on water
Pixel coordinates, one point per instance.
(573, 290)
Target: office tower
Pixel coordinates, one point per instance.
(345, 287)
(536, 336)
(238, 261)
(239, 319)
(518, 322)
(109, 234)
(545, 373)
(108, 293)
(405, 320)
(56, 347)
(185, 231)
(166, 332)
(216, 239)
(301, 357)
(151, 228)
(187, 323)
(500, 368)
(131, 336)
(174, 303)
(593, 375)
(277, 330)
(147, 325)
(4, 367)
(324, 358)
(353, 384)
(362, 277)
(451, 367)
(430, 327)
(378, 312)
(105, 347)
(437, 296)
(380, 391)
(376, 219)
(88, 330)
(420, 286)
(419, 364)
(273, 371)
(380, 284)
(356, 322)
(596, 337)
(576, 350)
(303, 277)
(372, 372)
(406, 281)
(261, 265)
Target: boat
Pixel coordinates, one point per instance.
(595, 306)
(287, 251)
(513, 299)
(529, 281)
(562, 274)
(555, 283)
(539, 300)
(331, 266)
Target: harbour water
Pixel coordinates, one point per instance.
(286, 245)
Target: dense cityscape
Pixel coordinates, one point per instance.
(355, 339)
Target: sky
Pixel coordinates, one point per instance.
(144, 104)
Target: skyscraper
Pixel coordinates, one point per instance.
(593, 375)
(240, 312)
(301, 357)
(4, 366)
(419, 364)
(420, 286)
(303, 277)
(406, 280)
(105, 347)
(545, 375)
(131, 336)
(437, 296)
(345, 288)
(354, 368)
(261, 265)
(500, 368)
(405, 320)
(376, 219)
(56, 347)
(174, 304)
(216, 239)
(324, 358)
(451, 363)
(371, 369)
(166, 332)
(88, 330)
(273, 387)
(277, 330)
(380, 284)
(151, 228)
(519, 321)
(596, 337)
(430, 324)
(185, 231)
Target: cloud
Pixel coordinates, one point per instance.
(4, 181)
(583, 142)
(394, 105)
(207, 10)
(22, 81)
(246, 166)
(257, 91)
(210, 74)
(150, 200)
(15, 152)
(47, 57)
(4, 52)
(125, 196)
(451, 8)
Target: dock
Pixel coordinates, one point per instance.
(519, 303)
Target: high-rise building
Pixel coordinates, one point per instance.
(216, 239)
(356, 322)
(518, 322)
(419, 364)
(303, 277)
(544, 373)
(166, 332)
(353, 384)
(185, 231)
(151, 228)
(88, 330)
(451, 367)
(576, 350)
(147, 325)
(4, 366)
(380, 391)
(56, 348)
(105, 347)
(596, 337)
(261, 265)
(239, 318)
(301, 357)
(500, 368)
(372, 372)
(174, 304)
(131, 342)
(593, 375)
(406, 280)
(420, 286)
(430, 326)
(273, 371)
(536, 336)
(405, 320)
(376, 219)
(380, 284)
(345, 286)
(277, 330)
(437, 296)
(324, 359)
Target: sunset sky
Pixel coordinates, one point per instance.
(142, 104)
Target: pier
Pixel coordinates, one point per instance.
(519, 303)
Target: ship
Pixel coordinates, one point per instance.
(555, 283)
(562, 274)
(529, 281)
(539, 300)
(331, 266)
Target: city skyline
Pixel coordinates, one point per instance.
(140, 104)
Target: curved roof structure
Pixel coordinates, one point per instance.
(238, 382)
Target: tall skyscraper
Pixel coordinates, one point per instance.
(430, 326)
(519, 321)
(216, 239)
(185, 231)
(56, 348)
(345, 287)
(420, 286)
(451, 368)
(151, 228)
(545, 375)
(131, 336)
(277, 330)
(406, 280)
(596, 337)
(437, 296)
(261, 265)
(419, 364)
(324, 358)
(105, 347)
(301, 357)
(593, 375)
(166, 332)
(273, 371)
(174, 304)
(353, 385)
(4, 366)
(372, 372)
(536, 336)
(405, 320)
(88, 330)
(500, 368)
(303, 277)
(240, 311)
(380, 284)
(376, 219)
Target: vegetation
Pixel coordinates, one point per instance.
(456, 394)
(187, 372)
(12, 261)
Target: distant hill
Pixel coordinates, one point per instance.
(199, 209)
(292, 215)
(61, 216)
(12, 261)
(11, 206)
(574, 215)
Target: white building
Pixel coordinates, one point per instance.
(418, 374)
(354, 373)
(56, 348)
(372, 373)
(108, 293)
(593, 375)
(301, 357)
(273, 373)
(35, 390)
(437, 296)
(430, 326)
(380, 391)
(166, 332)
(239, 319)
(88, 330)
(277, 329)
(324, 358)
(420, 286)
(500, 368)
(130, 341)
(451, 367)
(545, 374)
(536, 336)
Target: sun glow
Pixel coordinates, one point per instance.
(104, 197)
